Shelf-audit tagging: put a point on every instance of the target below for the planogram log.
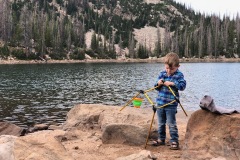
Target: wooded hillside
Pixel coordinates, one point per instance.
(57, 28)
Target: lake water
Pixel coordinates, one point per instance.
(44, 93)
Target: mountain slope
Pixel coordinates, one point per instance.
(111, 28)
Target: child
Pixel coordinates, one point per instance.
(172, 77)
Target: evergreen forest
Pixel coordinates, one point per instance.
(33, 29)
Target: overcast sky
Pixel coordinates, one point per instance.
(227, 7)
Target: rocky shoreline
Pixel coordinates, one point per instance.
(95, 131)
(149, 60)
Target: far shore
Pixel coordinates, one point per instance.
(149, 60)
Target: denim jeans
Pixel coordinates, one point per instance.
(167, 115)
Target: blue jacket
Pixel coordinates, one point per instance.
(164, 94)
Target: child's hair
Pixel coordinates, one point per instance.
(172, 59)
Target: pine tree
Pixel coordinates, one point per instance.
(201, 36)
(209, 41)
(6, 20)
(215, 22)
(237, 44)
(167, 41)
(131, 46)
(225, 28)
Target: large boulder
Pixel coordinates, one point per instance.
(97, 116)
(211, 135)
(129, 126)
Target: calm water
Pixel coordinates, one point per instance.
(44, 93)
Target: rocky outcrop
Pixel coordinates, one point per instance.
(211, 135)
(87, 129)
(94, 131)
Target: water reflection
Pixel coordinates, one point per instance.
(44, 93)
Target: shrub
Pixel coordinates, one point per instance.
(4, 51)
(19, 54)
(78, 54)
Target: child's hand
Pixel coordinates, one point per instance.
(168, 83)
(160, 82)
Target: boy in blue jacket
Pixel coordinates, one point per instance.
(173, 78)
